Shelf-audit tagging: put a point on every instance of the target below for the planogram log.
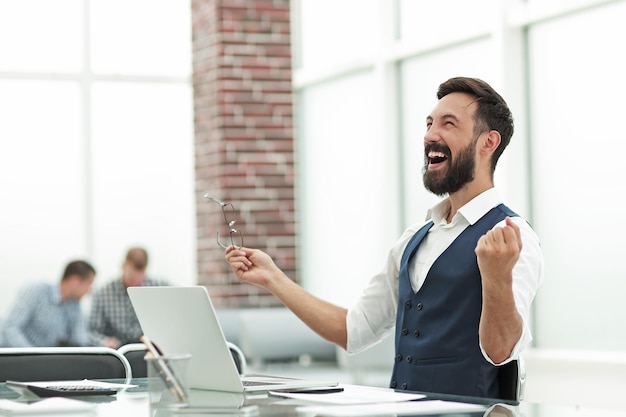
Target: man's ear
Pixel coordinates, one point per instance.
(490, 142)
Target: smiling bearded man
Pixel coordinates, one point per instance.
(456, 288)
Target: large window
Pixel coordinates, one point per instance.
(576, 90)
(96, 138)
(347, 187)
(346, 172)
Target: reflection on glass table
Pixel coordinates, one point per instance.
(134, 402)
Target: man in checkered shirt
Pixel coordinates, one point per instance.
(113, 321)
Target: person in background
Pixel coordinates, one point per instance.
(113, 322)
(46, 314)
(457, 288)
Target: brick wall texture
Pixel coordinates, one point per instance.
(244, 141)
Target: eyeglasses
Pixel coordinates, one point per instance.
(230, 216)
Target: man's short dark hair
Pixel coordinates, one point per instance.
(138, 258)
(81, 268)
(492, 114)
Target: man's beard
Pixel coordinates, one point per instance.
(459, 172)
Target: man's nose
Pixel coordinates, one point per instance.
(432, 135)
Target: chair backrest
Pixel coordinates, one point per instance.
(135, 353)
(238, 357)
(63, 363)
(511, 380)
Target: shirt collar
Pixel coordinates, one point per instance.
(472, 211)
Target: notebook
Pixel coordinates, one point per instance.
(183, 320)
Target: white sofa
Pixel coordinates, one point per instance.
(275, 341)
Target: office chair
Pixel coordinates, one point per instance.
(238, 357)
(136, 352)
(511, 380)
(63, 363)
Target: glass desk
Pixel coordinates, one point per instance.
(135, 403)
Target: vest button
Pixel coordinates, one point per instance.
(394, 384)
(420, 306)
(416, 333)
(398, 357)
(409, 359)
(404, 385)
(405, 332)
(408, 305)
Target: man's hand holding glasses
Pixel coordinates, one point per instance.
(249, 265)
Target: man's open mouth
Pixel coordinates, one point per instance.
(436, 157)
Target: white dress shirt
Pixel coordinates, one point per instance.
(373, 316)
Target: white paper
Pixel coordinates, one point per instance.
(393, 409)
(47, 406)
(353, 394)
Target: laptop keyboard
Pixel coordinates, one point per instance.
(247, 383)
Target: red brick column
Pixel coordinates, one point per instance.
(243, 137)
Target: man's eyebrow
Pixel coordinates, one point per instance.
(444, 116)
(450, 116)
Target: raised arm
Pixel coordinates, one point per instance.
(500, 323)
(256, 267)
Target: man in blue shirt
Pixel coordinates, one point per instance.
(46, 314)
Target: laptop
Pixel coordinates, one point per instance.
(182, 320)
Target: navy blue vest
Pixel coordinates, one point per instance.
(437, 347)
